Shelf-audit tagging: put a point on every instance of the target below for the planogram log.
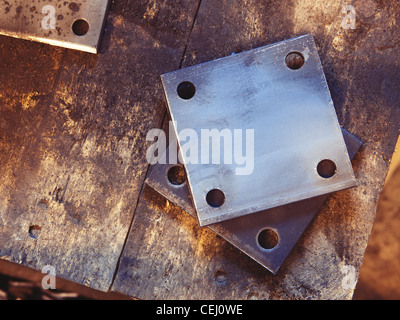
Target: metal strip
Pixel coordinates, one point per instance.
(71, 24)
(294, 123)
(288, 221)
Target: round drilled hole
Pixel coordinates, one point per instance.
(220, 277)
(294, 60)
(176, 175)
(186, 90)
(80, 27)
(268, 239)
(34, 231)
(326, 168)
(215, 198)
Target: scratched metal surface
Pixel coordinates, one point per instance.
(294, 122)
(288, 221)
(52, 22)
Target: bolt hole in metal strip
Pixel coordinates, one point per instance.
(71, 24)
(276, 94)
(267, 236)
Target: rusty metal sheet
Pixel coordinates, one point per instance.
(71, 24)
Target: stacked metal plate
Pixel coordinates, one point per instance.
(260, 145)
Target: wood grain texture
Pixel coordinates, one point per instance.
(73, 128)
(168, 256)
(379, 278)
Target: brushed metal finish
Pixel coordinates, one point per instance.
(32, 20)
(289, 221)
(294, 122)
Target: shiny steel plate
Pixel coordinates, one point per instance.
(288, 221)
(288, 109)
(71, 24)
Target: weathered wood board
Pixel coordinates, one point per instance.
(73, 142)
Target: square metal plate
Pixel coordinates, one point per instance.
(74, 24)
(287, 222)
(288, 109)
